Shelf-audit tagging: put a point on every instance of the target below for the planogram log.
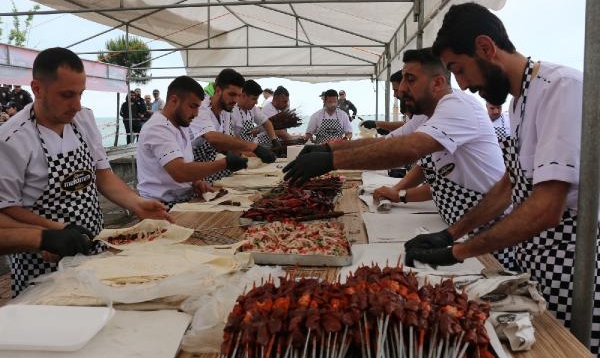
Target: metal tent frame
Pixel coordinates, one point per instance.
(332, 51)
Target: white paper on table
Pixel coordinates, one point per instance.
(421, 206)
(372, 180)
(129, 334)
(394, 227)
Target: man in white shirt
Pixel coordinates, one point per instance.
(249, 122)
(278, 111)
(500, 123)
(165, 162)
(542, 178)
(459, 154)
(53, 164)
(158, 104)
(212, 131)
(330, 122)
(267, 96)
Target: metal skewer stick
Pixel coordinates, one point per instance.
(342, 351)
(367, 338)
(306, 344)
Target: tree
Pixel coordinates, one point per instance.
(138, 55)
(17, 35)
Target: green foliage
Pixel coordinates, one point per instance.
(137, 56)
(18, 35)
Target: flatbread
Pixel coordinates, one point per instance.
(249, 181)
(228, 202)
(162, 233)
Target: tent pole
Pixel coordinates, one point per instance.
(387, 82)
(118, 120)
(376, 98)
(589, 174)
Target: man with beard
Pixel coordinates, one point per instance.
(459, 152)
(53, 165)
(165, 161)
(500, 123)
(212, 130)
(248, 120)
(542, 174)
(330, 122)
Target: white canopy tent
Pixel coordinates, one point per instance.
(325, 40)
(306, 40)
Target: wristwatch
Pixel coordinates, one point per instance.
(402, 196)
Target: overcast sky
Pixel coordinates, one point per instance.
(549, 30)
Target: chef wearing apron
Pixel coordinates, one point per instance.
(212, 131)
(165, 162)
(330, 122)
(543, 162)
(247, 118)
(53, 163)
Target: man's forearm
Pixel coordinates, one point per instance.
(19, 240)
(269, 129)
(353, 143)
(227, 143)
(540, 211)
(491, 206)
(115, 189)
(27, 218)
(389, 153)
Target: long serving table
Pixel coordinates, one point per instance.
(552, 339)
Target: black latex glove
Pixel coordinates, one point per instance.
(434, 240)
(383, 131)
(65, 242)
(441, 256)
(265, 154)
(308, 166)
(275, 144)
(81, 229)
(235, 162)
(370, 124)
(312, 148)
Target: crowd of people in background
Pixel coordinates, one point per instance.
(12, 99)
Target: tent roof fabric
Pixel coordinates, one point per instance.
(306, 40)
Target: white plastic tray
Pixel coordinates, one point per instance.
(50, 328)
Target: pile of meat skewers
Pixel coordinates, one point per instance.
(314, 201)
(376, 313)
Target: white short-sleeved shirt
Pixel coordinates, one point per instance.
(415, 122)
(316, 120)
(24, 173)
(159, 143)
(462, 126)
(502, 122)
(206, 121)
(550, 134)
(269, 110)
(238, 116)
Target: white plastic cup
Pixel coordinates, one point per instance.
(293, 151)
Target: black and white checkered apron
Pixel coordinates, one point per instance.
(330, 128)
(80, 207)
(453, 201)
(549, 256)
(501, 131)
(247, 125)
(205, 152)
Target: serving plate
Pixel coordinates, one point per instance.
(50, 328)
